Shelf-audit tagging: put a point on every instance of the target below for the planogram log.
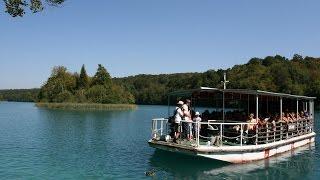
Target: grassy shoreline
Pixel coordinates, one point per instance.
(86, 106)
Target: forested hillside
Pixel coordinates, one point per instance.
(273, 73)
(298, 75)
(20, 95)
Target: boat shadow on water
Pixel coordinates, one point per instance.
(290, 164)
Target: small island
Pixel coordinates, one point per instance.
(66, 90)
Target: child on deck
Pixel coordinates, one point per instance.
(197, 126)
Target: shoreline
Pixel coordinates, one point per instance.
(86, 106)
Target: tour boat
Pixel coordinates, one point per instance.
(223, 132)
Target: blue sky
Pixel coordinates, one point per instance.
(131, 37)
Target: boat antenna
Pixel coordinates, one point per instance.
(225, 80)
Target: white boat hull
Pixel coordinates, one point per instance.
(239, 154)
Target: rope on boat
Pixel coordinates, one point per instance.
(204, 137)
(244, 137)
(231, 137)
(247, 137)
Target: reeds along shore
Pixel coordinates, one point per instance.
(86, 106)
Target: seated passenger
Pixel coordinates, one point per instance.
(298, 116)
(263, 121)
(306, 114)
(205, 115)
(284, 118)
(251, 127)
(287, 118)
(302, 115)
(236, 128)
(293, 116)
(274, 119)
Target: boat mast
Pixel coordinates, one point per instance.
(224, 87)
(225, 80)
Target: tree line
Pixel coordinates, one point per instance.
(19, 95)
(298, 75)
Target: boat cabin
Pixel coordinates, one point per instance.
(235, 120)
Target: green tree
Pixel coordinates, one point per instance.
(60, 81)
(83, 81)
(297, 57)
(17, 7)
(102, 77)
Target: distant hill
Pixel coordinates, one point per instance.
(298, 75)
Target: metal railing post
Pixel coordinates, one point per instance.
(267, 133)
(241, 135)
(297, 124)
(198, 134)
(281, 131)
(281, 109)
(257, 117)
(167, 127)
(161, 123)
(156, 125)
(256, 134)
(221, 135)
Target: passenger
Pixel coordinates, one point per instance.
(196, 119)
(236, 128)
(287, 118)
(284, 118)
(187, 127)
(273, 123)
(205, 115)
(263, 121)
(298, 116)
(187, 110)
(306, 114)
(178, 115)
(293, 117)
(251, 127)
(302, 115)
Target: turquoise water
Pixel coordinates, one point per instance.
(57, 144)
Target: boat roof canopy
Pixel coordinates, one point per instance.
(239, 91)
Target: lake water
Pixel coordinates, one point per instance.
(58, 144)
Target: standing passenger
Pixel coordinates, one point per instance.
(178, 115)
(187, 127)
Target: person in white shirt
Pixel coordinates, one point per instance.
(196, 119)
(178, 115)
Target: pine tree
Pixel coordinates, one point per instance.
(83, 78)
(102, 77)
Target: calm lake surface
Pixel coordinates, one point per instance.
(57, 144)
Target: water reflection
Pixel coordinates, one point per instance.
(292, 165)
(180, 165)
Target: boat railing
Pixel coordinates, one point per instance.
(219, 133)
(159, 127)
